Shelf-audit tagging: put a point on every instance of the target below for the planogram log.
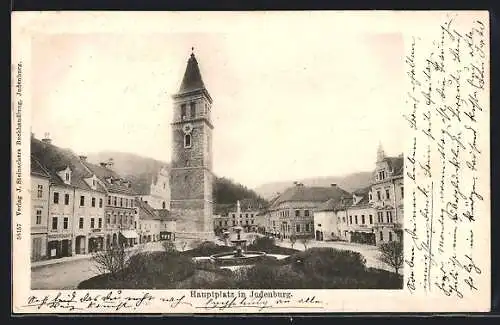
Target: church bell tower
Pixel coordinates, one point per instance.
(191, 180)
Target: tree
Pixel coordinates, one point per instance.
(169, 247)
(293, 239)
(391, 253)
(183, 245)
(113, 260)
(305, 241)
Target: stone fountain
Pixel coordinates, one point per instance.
(238, 242)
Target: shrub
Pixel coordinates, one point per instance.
(263, 244)
(329, 262)
(263, 276)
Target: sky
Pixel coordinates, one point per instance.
(286, 106)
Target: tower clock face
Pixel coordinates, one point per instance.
(187, 128)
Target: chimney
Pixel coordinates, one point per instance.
(46, 138)
(103, 164)
(83, 158)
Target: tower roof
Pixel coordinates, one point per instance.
(192, 79)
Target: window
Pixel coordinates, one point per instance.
(92, 223)
(350, 220)
(114, 200)
(370, 196)
(187, 141)
(371, 219)
(56, 198)
(381, 236)
(82, 200)
(387, 196)
(121, 201)
(100, 203)
(389, 216)
(109, 200)
(65, 223)
(298, 228)
(297, 213)
(114, 219)
(363, 219)
(80, 223)
(234, 223)
(234, 216)
(38, 217)
(67, 177)
(378, 196)
(356, 219)
(247, 222)
(193, 110)
(306, 213)
(343, 219)
(251, 222)
(93, 202)
(100, 223)
(108, 220)
(402, 192)
(164, 185)
(381, 175)
(93, 182)
(308, 227)
(380, 216)
(40, 191)
(390, 236)
(66, 199)
(246, 215)
(54, 223)
(183, 111)
(163, 205)
(225, 223)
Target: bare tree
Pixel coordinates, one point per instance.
(169, 247)
(293, 239)
(391, 253)
(305, 241)
(112, 260)
(183, 245)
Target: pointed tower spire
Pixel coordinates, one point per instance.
(380, 152)
(192, 79)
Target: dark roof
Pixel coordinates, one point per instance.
(396, 164)
(37, 169)
(146, 212)
(314, 194)
(362, 191)
(55, 159)
(192, 77)
(104, 173)
(335, 204)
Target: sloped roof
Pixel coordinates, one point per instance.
(37, 169)
(396, 164)
(362, 191)
(55, 159)
(311, 193)
(103, 173)
(335, 204)
(146, 212)
(192, 79)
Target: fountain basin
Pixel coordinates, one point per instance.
(230, 259)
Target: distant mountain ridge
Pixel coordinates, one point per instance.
(142, 170)
(350, 183)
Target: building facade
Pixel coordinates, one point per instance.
(40, 180)
(156, 191)
(191, 180)
(292, 212)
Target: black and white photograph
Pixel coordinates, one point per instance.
(266, 158)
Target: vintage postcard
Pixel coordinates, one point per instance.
(250, 162)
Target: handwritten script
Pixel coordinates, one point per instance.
(447, 105)
(185, 301)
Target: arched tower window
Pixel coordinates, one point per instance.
(183, 111)
(193, 109)
(163, 205)
(187, 141)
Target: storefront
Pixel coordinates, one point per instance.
(59, 245)
(128, 238)
(167, 235)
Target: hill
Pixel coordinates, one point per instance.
(140, 170)
(349, 183)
